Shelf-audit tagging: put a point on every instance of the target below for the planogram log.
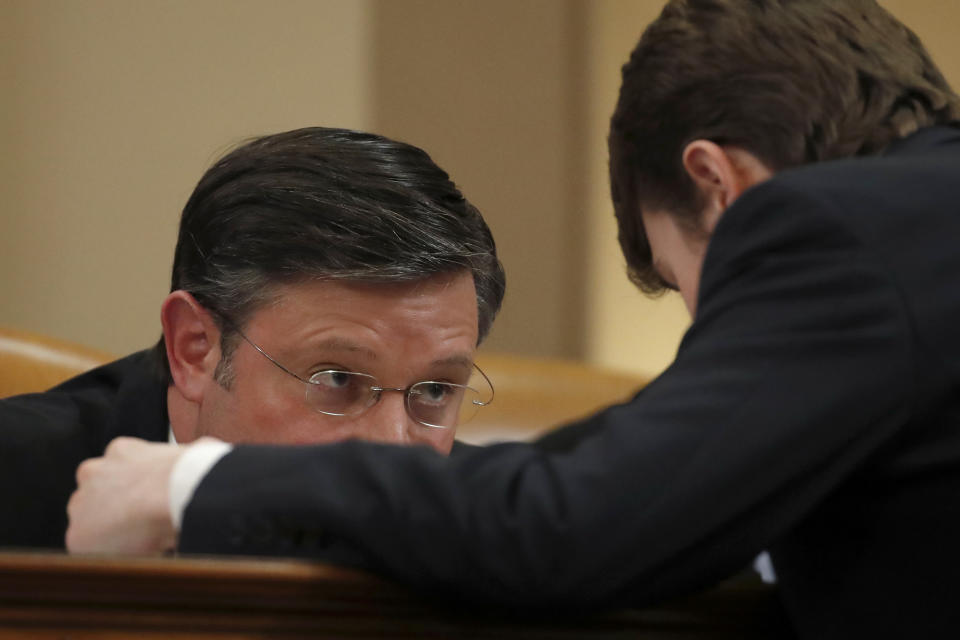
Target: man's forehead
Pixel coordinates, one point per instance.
(340, 344)
(362, 318)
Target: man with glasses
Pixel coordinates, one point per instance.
(327, 285)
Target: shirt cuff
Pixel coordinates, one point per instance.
(189, 469)
(763, 565)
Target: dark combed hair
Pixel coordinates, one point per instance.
(791, 81)
(326, 204)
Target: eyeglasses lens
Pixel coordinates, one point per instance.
(440, 404)
(341, 392)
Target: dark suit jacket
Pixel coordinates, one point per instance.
(813, 409)
(44, 436)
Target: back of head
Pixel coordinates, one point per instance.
(791, 81)
(326, 204)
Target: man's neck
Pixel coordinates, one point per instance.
(183, 415)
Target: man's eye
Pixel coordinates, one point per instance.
(436, 392)
(331, 379)
(666, 284)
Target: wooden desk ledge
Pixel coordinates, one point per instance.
(46, 595)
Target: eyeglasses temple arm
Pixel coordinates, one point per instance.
(493, 392)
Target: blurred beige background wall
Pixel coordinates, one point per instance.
(110, 110)
(494, 90)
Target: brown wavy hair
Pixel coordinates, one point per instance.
(791, 81)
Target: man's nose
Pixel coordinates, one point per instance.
(388, 420)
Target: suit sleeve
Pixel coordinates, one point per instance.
(797, 368)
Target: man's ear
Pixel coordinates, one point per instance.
(721, 174)
(192, 340)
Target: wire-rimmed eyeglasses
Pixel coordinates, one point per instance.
(440, 405)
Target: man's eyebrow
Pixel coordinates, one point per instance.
(658, 268)
(342, 344)
(459, 359)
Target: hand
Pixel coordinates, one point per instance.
(122, 501)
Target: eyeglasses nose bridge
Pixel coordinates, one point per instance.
(378, 391)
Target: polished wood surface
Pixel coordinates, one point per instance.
(32, 362)
(58, 596)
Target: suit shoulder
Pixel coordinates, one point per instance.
(96, 401)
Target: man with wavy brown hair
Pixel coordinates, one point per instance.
(791, 167)
(792, 82)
